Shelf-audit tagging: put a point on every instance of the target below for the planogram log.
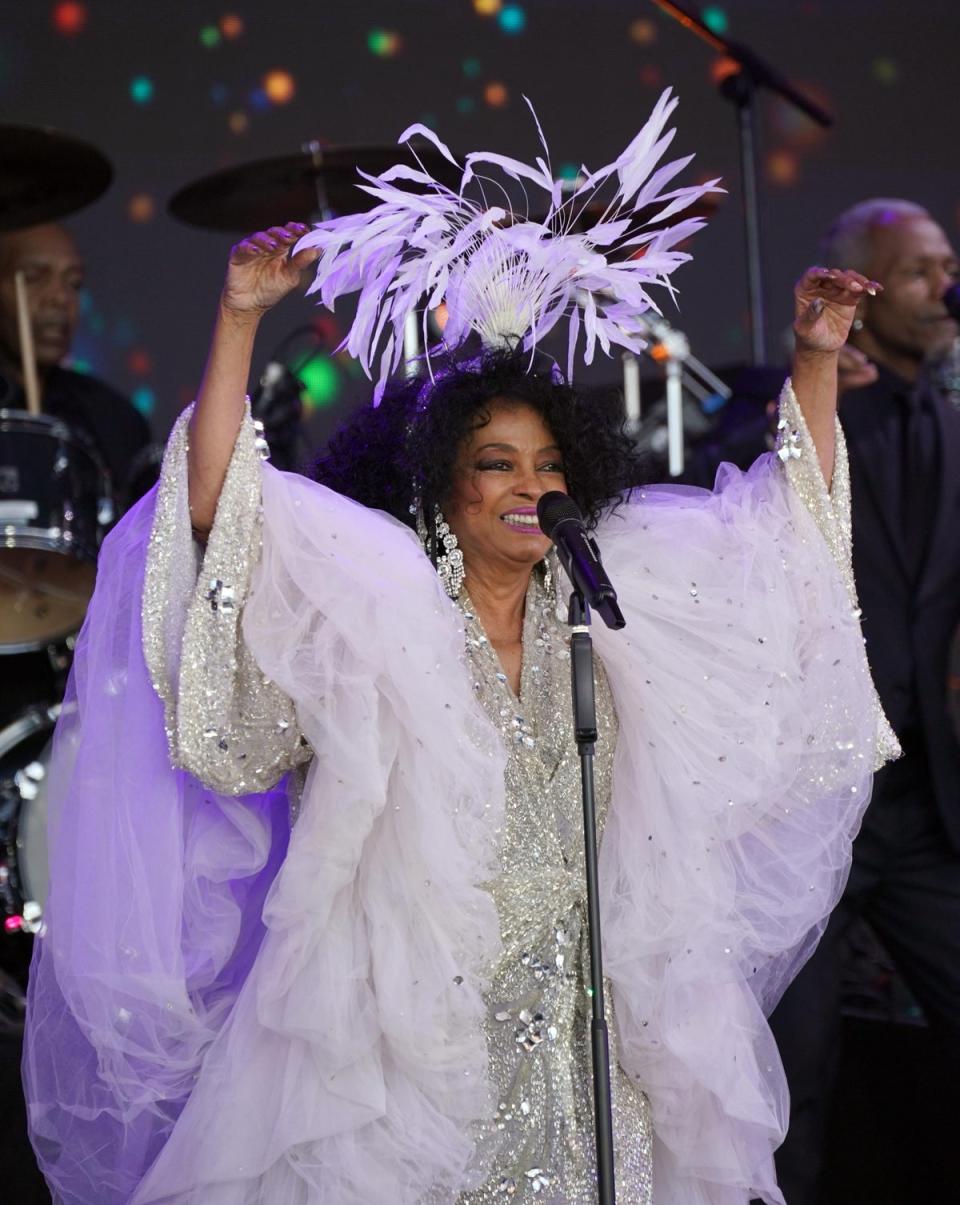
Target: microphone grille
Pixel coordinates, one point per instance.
(553, 508)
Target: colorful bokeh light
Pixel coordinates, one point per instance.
(716, 19)
(466, 105)
(279, 87)
(69, 18)
(141, 89)
(384, 43)
(321, 382)
(139, 362)
(231, 26)
(783, 167)
(512, 19)
(144, 399)
(496, 95)
(643, 32)
(722, 68)
(210, 36)
(141, 207)
(651, 76)
(471, 68)
(487, 8)
(238, 122)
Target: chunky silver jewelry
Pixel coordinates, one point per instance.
(449, 562)
(857, 324)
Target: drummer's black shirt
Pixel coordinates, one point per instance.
(116, 428)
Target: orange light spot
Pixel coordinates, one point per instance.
(279, 87)
(496, 95)
(141, 207)
(231, 26)
(783, 168)
(238, 122)
(643, 32)
(487, 8)
(722, 68)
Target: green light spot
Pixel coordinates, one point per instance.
(471, 68)
(379, 42)
(569, 171)
(466, 105)
(321, 382)
(141, 89)
(512, 19)
(716, 19)
(210, 36)
(80, 365)
(144, 399)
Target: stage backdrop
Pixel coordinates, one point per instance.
(171, 91)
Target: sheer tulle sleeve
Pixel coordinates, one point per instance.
(154, 915)
(224, 1009)
(226, 722)
(749, 731)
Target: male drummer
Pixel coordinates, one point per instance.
(54, 275)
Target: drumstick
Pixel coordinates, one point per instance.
(27, 356)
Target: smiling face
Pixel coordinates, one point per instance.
(907, 322)
(53, 273)
(503, 467)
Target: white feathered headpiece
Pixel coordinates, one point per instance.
(508, 278)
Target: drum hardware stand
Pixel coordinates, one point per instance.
(751, 74)
(670, 349)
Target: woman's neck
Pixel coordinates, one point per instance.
(498, 599)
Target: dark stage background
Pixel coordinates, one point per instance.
(172, 90)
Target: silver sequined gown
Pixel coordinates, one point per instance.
(539, 1146)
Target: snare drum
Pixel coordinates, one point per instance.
(55, 508)
(25, 747)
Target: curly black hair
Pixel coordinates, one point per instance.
(406, 448)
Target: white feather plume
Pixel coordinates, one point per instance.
(508, 278)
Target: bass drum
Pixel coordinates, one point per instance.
(25, 747)
(56, 506)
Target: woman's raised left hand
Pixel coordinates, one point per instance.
(825, 303)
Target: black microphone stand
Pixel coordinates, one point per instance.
(750, 75)
(585, 732)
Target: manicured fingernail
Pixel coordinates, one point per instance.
(856, 286)
(871, 290)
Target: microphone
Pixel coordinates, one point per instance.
(951, 299)
(561, 520)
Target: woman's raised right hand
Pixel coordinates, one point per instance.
(261, 271)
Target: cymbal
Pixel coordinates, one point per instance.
(47, 175)
(320, 181)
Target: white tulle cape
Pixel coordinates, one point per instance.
(216, 1018)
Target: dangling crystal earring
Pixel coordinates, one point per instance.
(449, 563)
(857, 324)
